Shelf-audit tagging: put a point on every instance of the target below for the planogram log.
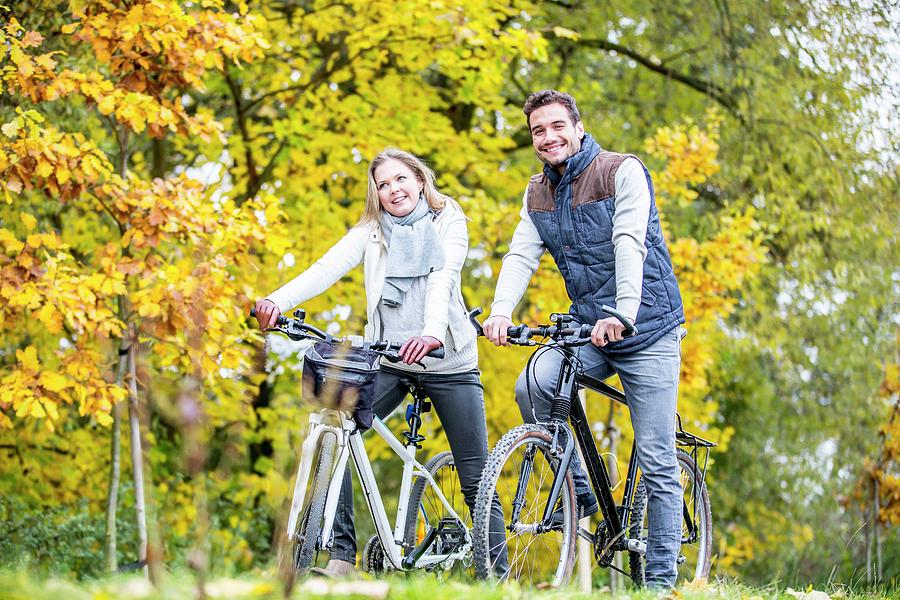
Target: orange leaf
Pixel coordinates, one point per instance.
(32, 39)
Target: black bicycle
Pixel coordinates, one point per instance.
(529, 470)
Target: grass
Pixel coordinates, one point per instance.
(21, 585)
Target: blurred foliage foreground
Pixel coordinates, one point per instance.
(18, 586)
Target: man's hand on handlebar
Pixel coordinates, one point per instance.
(415, 349)
(495, 329)
(607, 330)
(266, 313)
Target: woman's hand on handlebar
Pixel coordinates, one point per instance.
(415, 349)
(495, 329)
(266, 313)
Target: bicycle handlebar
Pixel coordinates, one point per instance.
(297, 329)
(522, 335)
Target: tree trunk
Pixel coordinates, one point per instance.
(115, 452)
(134, 421)
(869, 525)
(875, 523)
(137, 458)
(112, 498)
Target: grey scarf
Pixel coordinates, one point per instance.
(414, 250)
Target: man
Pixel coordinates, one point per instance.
(594, 211)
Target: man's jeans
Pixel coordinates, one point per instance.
(458, 399)
(650, 380)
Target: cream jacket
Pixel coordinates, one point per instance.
(445, 311)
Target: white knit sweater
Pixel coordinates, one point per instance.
(444, 315)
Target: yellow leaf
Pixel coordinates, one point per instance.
(53, 382)
(107, 105)
(9, 241)
(10, 129)
(52, 318)
(62, 175)
(51, 409)
(28, 358)
(562, 32)
(44, 168)
(29, 221)
(46, 61)
(37, 410)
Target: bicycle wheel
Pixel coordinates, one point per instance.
(520, 470)
(427, 512)
(696, 526)
(309, 527)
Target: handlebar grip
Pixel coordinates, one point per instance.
(436, 353)
(515, 331)
(281, 320)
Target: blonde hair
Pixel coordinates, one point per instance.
(436, 200)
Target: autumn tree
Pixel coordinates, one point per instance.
(101, 261)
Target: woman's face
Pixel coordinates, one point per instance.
(398, 187)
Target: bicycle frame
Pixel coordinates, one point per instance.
(567, 386)
(616, 518)
(351, 444)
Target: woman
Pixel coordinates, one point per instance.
(412, 241)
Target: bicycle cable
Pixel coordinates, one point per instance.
(573, 360)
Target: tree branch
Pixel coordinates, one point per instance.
(241, 114)
(15, 448)
(708, 88)
(264, 176)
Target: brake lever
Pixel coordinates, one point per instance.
(472, 314)
(296, 336)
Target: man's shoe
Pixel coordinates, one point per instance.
(585, 503)
(335, 569)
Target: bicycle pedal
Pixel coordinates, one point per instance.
(449, 525)
(450, 535)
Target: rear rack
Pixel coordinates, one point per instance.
(684, 438)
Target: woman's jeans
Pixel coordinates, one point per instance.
(650, 379)
(458, 399)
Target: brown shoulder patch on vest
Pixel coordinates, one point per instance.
(616, 169)
(540, 196)
(598, 181)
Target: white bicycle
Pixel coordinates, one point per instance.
(429, 531)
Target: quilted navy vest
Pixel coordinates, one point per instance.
(573, 213)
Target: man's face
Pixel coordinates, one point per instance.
(554, 135)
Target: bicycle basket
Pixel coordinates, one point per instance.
(340, 377)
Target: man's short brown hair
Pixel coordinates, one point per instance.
(545, 97)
